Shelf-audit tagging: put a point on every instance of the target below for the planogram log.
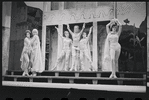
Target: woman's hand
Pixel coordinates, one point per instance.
(56, 27)
(67, 26)
(84, 25)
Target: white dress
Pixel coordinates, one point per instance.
(85, 51)
(37, 65)
(111, 42)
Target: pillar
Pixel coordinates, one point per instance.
(6, 21)
(46, 8)
(95, 53)
(148, 41)
(115, 9)
(148, 36)
(60, 26)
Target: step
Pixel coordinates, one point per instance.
(89, 80)
(83, 73)
(99, 87)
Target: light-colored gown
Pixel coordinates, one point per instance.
(64, 60)
(111, 42)
(37, 65)
(26, 54)
(85, 51)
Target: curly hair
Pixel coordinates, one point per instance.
(27, 31)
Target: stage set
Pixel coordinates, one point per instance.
(52, 44)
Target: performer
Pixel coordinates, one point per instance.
(26, 54)
(85, 55)
(76, 37)
(112, 48)
(36, 54)
(66, 51)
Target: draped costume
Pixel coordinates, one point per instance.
(107, 62)
(85, 49)
(62, 64)
(37, 65)
(26, 51)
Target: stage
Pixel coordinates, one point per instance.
(99, 87)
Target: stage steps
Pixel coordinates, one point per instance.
(76, 77)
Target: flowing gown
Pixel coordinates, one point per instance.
(37, 65)
(111, 42)
(63, 64)
(85, 49)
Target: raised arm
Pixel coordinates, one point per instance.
(107, 26)
(120, 27)
(90, 31)
(59, 32)
(80, 33)
(69, 30)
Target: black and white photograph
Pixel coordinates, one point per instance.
(148, 46)
(75, 49)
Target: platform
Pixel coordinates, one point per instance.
(79, 77)
(116, 88)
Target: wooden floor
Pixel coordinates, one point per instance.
(116, 88)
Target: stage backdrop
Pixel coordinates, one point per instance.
(22, 18)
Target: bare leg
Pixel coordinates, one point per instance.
(74, 55)
(112, 54)
(88, 57)
(78, 61)
(117, 54)
(59, 60)
(81, 58)
(26, 65)
(67, 59)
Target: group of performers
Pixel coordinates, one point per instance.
(75, 54)
(31, 59)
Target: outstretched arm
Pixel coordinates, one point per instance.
(69, 30)
(58, 32)
(90, 31)
(120, 27)
(82, 29)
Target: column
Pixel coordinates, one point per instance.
(60, 26)
(115, 9)
(46, 8)
(148, 41)
(95, 53)
(6, 21)
(147, 36)
(59, 48)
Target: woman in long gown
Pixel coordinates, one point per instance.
(85, 55)
(63, 62)
(26, 54)
(112, 47)
(37, 65)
